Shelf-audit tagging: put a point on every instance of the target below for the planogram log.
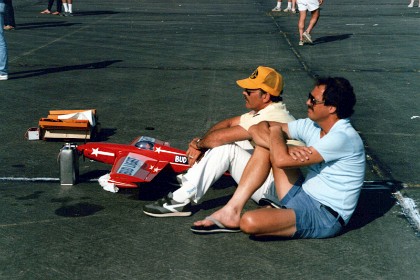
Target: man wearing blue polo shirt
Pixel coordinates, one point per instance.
(319, 205)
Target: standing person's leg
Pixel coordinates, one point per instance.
(314, 19)
(313, 7)
(303, 7)
(65, 7)
(9, 16)
(59, 6)
(293, 6)
(3, 47)
(277, 8)
(289, 6)
(70, 5)
(301, 25)
(49, 7)
(50, 4)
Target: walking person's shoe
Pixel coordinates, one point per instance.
(167, 207)
(287, 10)
(4, 77)
(301, 43)
(8, 27)
(307, 37)
(276, 9)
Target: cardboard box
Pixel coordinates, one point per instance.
(32, 133)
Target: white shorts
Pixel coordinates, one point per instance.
(308, 5)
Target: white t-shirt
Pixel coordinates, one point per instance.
(337, 181)
(276, 112)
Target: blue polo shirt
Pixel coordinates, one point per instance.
(337, 181)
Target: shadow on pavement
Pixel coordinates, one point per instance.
(375, 200)
(94, 13)
(40, 72)
(46, 24)
(104, 134)
(328, 39)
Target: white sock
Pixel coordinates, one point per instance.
(70, 8)
(185, 192)
(66, 7)
(289, 5)
(279, 5)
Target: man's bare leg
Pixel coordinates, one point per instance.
(314, 19)
(255, 173)
(301, 24)
(269, 222)
(272, 221)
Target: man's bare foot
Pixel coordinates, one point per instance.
(226, 216)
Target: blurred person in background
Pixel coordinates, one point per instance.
(3, 47)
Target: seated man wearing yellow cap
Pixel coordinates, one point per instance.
(226, 146)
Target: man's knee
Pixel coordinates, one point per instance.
(249, 223)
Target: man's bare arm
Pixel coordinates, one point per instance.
(279, 152)
(260, 133)
(224, 132)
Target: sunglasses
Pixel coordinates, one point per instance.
(314, 101)
(249, 91)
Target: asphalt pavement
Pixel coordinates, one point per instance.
(167, 69)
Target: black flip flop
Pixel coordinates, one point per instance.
(217, 227)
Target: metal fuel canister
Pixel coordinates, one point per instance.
(69, 164)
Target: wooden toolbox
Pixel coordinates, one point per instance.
(55, 127)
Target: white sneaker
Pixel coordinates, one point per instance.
(411, 5)
(301, 43)
(275, 9)
(307, 37)
(287, 10)
(4, 77)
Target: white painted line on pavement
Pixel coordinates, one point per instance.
(410, 210)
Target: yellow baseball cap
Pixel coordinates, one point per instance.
(265, 78)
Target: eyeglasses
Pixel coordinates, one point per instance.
(249, 91)
(314, 101)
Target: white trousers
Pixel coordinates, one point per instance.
(202, 175)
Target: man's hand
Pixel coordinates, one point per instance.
(299, 153)
(260, 133)
(194, 152)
